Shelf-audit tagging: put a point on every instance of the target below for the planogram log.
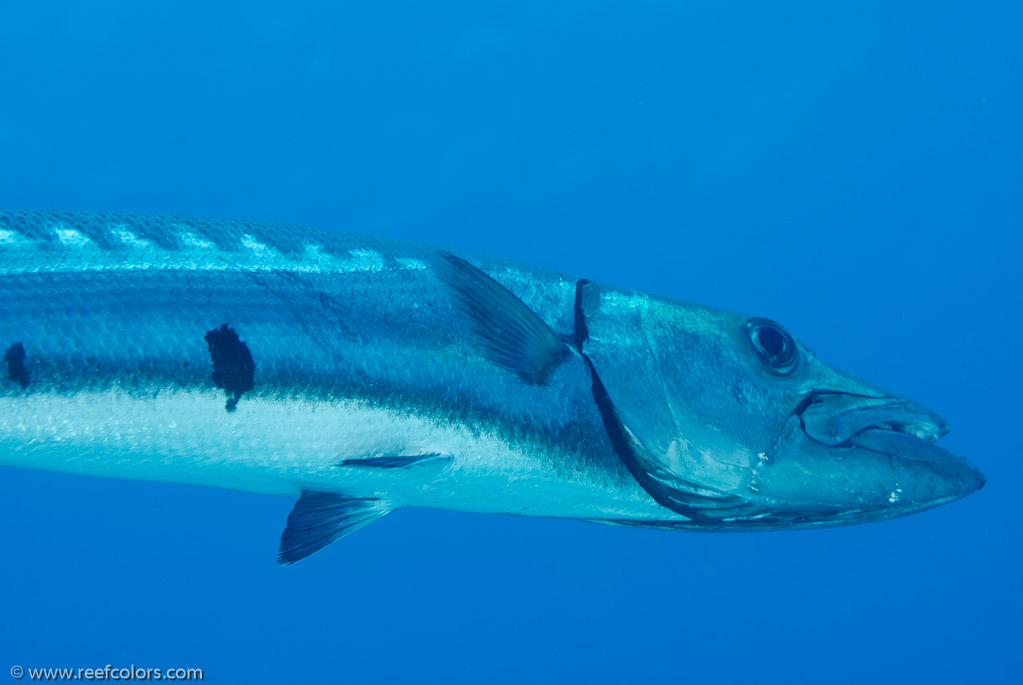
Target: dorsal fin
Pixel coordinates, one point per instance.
(506, 331)
(320, 518)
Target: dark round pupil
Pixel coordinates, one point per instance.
(771, 341)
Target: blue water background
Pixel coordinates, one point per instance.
(850, 169)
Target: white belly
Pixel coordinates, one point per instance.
(279, 446)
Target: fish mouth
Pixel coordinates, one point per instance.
(834, 418)
(904, 431)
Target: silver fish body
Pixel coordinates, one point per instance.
(363, 374)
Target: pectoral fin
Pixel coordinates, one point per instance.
(320, 518)
(399, 462)
(505, 330)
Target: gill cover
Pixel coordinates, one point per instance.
(666, 411)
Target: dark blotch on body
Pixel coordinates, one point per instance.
(233, 368)
(15, 358)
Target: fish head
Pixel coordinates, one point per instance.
(731, 421)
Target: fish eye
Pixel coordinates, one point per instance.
(775, 346)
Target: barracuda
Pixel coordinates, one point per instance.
(361, 374)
